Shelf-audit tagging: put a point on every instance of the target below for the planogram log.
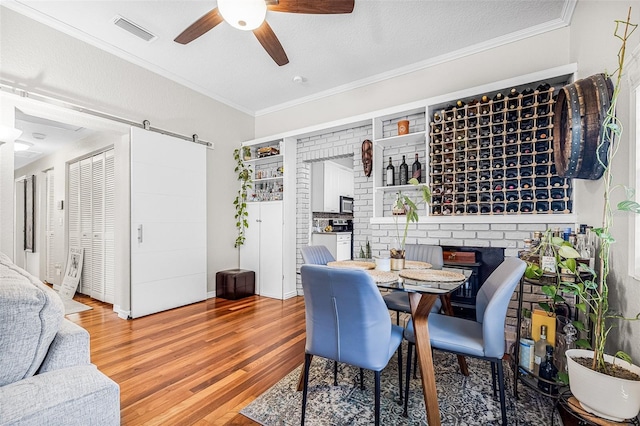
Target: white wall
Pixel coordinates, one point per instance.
(45, 61)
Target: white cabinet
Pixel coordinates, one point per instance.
(329, 181)
(270, 245)
(260, 251)
(339, 244)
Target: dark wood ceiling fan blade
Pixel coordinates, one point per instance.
(271, 44)
(313, 6)
(201, 26)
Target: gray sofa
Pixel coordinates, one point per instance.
(46, 376)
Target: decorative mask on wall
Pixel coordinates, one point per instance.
(367, 157)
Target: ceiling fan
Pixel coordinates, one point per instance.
(249, 15)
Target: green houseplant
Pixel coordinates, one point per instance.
(405, 206)
(245, 176)
(608, 386)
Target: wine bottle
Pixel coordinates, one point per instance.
(437, 117)
(527, 96)
(547, 373)
(391, 172)
(460, 109)
(498, 102)
(512, 103)
(548, 260)
(540, 349)
(404, 172)
(416, 170)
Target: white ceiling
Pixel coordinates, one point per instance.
(380, 39)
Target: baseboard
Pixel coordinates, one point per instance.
(211, 294)
(122, 313)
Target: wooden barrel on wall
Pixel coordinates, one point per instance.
(577, 129)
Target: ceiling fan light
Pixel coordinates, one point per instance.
(243, 14)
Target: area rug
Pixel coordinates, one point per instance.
(462, 400)
(73, 307)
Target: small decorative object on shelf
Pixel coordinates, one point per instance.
(403, 127)
(267, 151)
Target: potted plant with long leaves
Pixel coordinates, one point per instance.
(245, 176)
(405, 206)
(605, 385)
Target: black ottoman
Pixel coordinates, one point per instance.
(235, 283)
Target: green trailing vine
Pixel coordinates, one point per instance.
(591, 287)
(245, 173)
(410, 207)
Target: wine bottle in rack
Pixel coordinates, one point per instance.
(404, 172)
(498, 208)
(512, 102)
(460, 109)
(527, 112)
(543, 92)
(497, 197)
(526, 207)
(542, 110)
(472, 108)
(484, 208)
(556, 181)
(542, 194)
(472, 122)
(542, 122)
(472, 198)
(512, 195)
(527, 97)
(557, 193)
(437, 117)
(526, 125)
(498, 102)
(416, 169)
(527, 195)
(459, 209)
(472, 209)
(542, 206)
(448, 113)
(512, 207)
(391, 172)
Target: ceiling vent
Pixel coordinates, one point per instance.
(134, 29)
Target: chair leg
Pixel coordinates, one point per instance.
(405, 413)
(400, 374)
(335, 373)
(415, 366)
(377, 406)
(503, 407)
(307, 364)
(493, 379)
(397, 317)
(362, 379)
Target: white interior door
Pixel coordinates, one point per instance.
(250, 250)
(50, 268)
(168, 222)
(271, 249)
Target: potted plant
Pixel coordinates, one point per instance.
(405, 206)
(605, 385)
(244, 173)
(246, 153)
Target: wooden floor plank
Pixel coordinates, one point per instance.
(198, 364)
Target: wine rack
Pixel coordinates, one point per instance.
(494, 156)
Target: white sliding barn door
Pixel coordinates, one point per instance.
(168, 222)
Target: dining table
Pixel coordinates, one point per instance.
(424, 287)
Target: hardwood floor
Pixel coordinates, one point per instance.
(199, 364)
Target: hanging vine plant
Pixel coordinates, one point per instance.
(245, 174)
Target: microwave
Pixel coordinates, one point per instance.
(346, 204)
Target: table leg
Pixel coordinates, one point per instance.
(448, 309)
(420, 308)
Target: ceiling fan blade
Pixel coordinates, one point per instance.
(271, 44)
(201, 26)
(312, 6)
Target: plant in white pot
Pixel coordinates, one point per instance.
(405, 206)
(605, 385)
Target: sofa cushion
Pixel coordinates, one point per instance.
(30, 316)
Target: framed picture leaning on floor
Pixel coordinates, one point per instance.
(29, 213)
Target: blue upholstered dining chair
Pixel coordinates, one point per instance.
(347, 321)
(484, 337)
(399, 300)
(316, 255)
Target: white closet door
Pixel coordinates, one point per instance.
(50, 269)
(109, 227)
(91, 219)
(168, 222)
(97, 227)
(86, 225)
